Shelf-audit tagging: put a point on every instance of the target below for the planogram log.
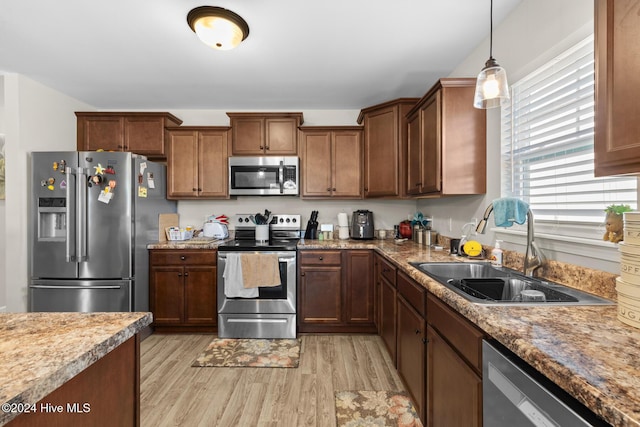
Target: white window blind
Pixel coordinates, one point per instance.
(547, 144)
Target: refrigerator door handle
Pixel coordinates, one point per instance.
(81, 215)
(70, 203)
(73, 287)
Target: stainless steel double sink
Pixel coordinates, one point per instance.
(482, 283)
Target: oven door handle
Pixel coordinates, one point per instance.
(287, 259)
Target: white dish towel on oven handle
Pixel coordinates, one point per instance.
(233, 283)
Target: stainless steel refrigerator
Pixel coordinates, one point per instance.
(92, 215)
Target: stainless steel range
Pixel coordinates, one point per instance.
(268, 312)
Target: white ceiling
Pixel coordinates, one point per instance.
(304, 54)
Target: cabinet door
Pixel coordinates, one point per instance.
(381, 153)
(281, 136)
(411, 362)
(388, 317)
(144, 135)
(213, 170)
(359, 287)
(617, 128)
(316, 163)
(166, 294)
(200, 295)
(182, 164)
(431, 146)
(248, 136)
(96, 133)
(320, 299)
(454, 390)
(414, 156)
(347, 164)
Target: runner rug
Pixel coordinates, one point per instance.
(254, 353)
(375, 408)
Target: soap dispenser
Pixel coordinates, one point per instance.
(496, 255)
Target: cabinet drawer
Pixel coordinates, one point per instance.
(320, 258)
(458, 331)
(388, 271)
(186, 257)
(412, 292)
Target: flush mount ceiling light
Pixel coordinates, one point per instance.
(217, 27)
(492, 89)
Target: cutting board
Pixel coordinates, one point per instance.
(167, 220)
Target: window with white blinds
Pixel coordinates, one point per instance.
(547, 144)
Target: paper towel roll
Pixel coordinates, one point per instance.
(343, 232)
(343, 221)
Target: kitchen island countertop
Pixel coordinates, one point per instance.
(39, 352)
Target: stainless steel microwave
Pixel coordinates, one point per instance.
(264, 176)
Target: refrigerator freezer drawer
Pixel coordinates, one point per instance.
(80, 296)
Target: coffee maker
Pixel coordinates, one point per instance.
(362, 225)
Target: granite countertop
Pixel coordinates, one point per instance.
(41, 351)
(586, 350)
(195, 243)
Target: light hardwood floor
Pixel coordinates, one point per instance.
(175, 394)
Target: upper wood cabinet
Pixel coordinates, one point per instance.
(197, 162)
(141, 133)
(617, 57)
(258, 134)
(331, 159)
(385, 147)
(446, 149)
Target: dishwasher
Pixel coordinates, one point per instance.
(515, 394)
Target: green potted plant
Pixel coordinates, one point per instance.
(613, 222)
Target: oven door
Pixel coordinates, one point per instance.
(277, 299)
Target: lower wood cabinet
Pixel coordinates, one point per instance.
(412, 339)
(386, 304)
(454, 367)
(335, 291)
(182, 290)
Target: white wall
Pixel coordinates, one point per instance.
(3, 266)
(36, 118)
(536, 31)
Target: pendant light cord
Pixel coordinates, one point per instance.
(491, 32)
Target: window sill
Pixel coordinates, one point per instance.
(576, 246)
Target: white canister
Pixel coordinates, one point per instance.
(262, 232)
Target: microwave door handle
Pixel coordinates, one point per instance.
(281, 174)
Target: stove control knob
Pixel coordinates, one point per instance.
(240, 219)
(281, 220)
(288, 220)
(294, 220)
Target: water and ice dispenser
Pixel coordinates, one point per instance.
(52, 219)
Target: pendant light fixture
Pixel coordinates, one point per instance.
(217, 27)
(492, 89)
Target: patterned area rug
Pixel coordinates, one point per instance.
(254, 353)
(376, 409)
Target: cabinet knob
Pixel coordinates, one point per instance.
(194, 189)
(328, 188)
(182, 257)
(417, 331)
(366, 189)
(179, 274)
(425, 340)
(186, 274)
(334, 188)
(199, 189)
(418, 184)
(262, 147)
(302, 274)
(267, 147)
(320, 258)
